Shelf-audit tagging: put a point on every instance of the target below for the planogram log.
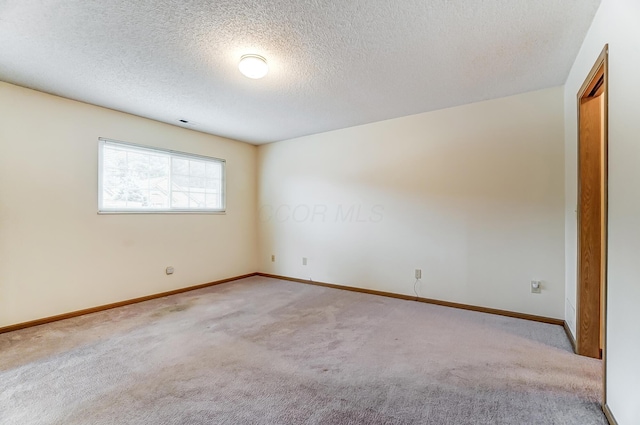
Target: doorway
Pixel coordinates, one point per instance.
(592, 210)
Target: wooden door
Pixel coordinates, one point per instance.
(592, 218)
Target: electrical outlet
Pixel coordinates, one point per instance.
(304, 261)
(273, 258)
(169, 270)
(418, 274)
(536, 286)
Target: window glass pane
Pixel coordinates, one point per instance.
(180, 199)
(113, 158)
(158, 166)
(136, 178)
(180, 166)
(212, 186)
(137, 161)
(213, 201)
(197, 184)
(196, 200)
(160, 183)
(158, 198)
(196, 168)
(179, 182)
(213, 170)
(110, 201)
(142, 179)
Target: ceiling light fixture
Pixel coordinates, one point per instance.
(253, 66)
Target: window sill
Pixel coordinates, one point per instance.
(162, 212)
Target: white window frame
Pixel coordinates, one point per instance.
(173, 154)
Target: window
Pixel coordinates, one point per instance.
(140, 179)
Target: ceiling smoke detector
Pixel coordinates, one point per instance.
(253, 66)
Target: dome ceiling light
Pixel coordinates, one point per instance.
(253, 66)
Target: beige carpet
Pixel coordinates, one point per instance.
(264, 351)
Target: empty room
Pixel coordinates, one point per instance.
(319, 212)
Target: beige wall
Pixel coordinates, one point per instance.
(615, 23)
(58, 255)
(471, 195)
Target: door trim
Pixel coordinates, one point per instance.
(601, 67)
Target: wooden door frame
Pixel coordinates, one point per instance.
(601, 66)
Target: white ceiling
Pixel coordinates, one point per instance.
(333, 64)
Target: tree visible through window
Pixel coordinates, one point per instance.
(140, 179)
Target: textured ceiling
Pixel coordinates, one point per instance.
(333, 64)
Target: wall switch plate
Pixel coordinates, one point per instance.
(273, 258)
(536, 286)
(169, 270)
(418, 274)
(304, 261)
